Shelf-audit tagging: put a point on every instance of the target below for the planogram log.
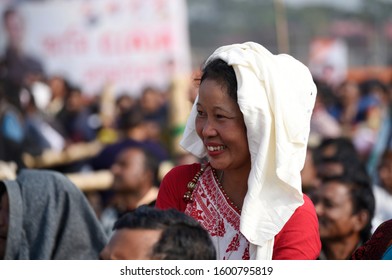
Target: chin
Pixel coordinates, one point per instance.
(217, 165)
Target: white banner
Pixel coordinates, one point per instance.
(129, 43)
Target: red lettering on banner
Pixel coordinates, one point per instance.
(69, 43)
(126, 43)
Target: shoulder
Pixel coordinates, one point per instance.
(299, 238)
(184, 172)
(179, 176)
(306, 209)
(304, 215)
(174, 185)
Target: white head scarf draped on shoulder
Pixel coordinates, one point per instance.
(276, 95)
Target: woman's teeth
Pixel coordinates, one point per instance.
(215, 148)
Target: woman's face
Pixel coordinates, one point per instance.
(220, 125)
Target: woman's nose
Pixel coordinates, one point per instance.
(209, 129)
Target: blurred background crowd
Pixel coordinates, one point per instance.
(117, 142)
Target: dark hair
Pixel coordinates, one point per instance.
(219, 71)
(344, 147)
(8, 12)
(325, 93)
(344, 154)
(130, 119)
(182, 238)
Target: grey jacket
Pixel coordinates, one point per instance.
(50, 218)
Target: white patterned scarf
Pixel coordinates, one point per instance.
(212, 209)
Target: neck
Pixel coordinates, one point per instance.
(130, 200)
(235, 185)
(340, 249)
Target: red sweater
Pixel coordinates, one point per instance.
(298, 240)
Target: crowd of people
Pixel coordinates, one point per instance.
(273, 164)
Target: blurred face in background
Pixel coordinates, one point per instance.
(124, 103)
(14, 27)
(58, 87)
(75, 102)
(349, 93)
(129, 170)
(151, 100)
(385, 172)
(335, 212)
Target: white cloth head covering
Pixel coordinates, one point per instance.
(276, 95)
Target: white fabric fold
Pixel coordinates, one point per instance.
(276, 95)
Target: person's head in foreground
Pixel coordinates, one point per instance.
(150, 233)
(43, 216)
(251, 120)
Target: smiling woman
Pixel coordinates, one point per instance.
(251, 121)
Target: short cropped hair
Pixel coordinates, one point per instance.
(130, 119)
(182, 238)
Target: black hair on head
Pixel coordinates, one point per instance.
(219, 71)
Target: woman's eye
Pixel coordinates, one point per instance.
(199, 113)
(220, 116)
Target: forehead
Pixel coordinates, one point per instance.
(336, 191)
(212, 85)
(132, 154)
(132, 244)
(213, 92)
